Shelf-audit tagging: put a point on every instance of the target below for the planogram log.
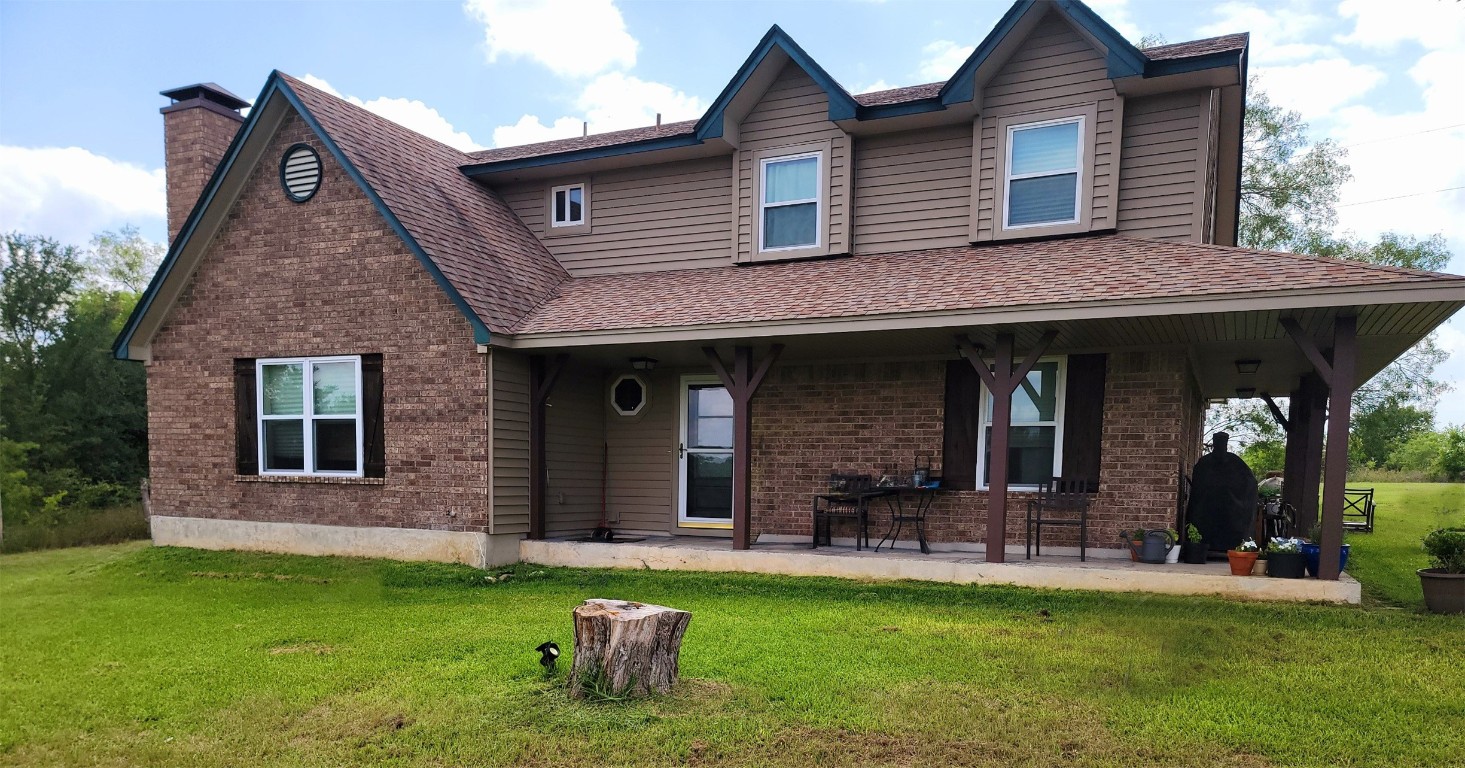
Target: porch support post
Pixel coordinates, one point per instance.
(742, 383)
(1338, 375)
(1304, 465)
(1002, 381)
(542, 376)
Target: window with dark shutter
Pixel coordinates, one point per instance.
(373, 413)
(246, 449)
(1083, 418)
(959, 437)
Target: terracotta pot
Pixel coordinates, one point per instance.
(1134, 550)
(1241, 562)
(1443, 592)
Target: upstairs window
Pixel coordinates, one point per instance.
(568, 206)
(789, 204)
(1044, 173)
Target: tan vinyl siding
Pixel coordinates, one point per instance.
(913, 190)
(1053, 69)
(1161, 186)
(794, 111)
(667, 216)
(510, 436)
(643, 458)
(573, 447)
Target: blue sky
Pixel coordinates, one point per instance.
(81, 138)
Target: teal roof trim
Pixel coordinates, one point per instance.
(842, 105)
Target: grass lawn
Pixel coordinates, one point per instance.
(1386, 560)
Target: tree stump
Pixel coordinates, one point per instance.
(626, 649)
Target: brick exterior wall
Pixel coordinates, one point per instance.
(324, 277)
(871, 417)
(194, 141)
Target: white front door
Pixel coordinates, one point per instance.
(706, 454)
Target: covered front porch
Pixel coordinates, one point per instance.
(777, 555)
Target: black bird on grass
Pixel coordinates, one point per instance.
(549, 653)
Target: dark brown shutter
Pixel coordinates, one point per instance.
(1083, 418)
(959, 439)
(246, 426)
(373, 411)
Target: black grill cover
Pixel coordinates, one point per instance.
(1222, 498)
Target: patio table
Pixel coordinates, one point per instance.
(900, 515)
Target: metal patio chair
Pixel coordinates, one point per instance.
(1061, 502)
(1358, 509)
(848, 498)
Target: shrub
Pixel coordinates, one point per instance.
(1446, 549)
(108, 526)
(1451, 461)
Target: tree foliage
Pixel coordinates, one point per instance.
(1289, 185)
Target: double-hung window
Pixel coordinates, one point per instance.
(1044, 173)
(789, 203)
(310, 416)
(1035, 440)
(567, 206)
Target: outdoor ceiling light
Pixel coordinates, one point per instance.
(1218, 401)
(643, 363)
(1247, 367)
(1246, 392)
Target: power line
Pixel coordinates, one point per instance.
(1401, 197)
(1403, 135)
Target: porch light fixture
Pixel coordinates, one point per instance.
(643, 363)
(1246, 392)
(1247, 367)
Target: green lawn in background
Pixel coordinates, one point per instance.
(1386, 560)
(132, 655)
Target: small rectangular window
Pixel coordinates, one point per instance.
(1043, 173)
(790, 203)
(310, 416)
(1034, 442)
(569, 206)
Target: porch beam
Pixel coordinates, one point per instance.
(543, 373)
(742, 383)
(1340, 411)
(973, 354)
(1277, 416)
(1309, 348)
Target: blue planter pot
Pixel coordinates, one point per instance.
(1313, 552)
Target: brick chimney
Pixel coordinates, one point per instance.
(197, 129)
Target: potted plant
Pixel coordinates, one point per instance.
(1444, 581)
(1194, 549)
(1312, 551)
(1284, 559)
(1135, 537)
(1242, 558)
(1173, 555)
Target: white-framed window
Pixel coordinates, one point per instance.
(1043, 185)
(1035, 440)
(568, 206)
(628, 394)
(789, 205)
(310, 416)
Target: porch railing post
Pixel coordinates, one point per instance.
(741, 384)
(1340, 411)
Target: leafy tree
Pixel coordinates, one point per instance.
(1289, 185)
(37, 277)
(123, 259)
(1265, 456)
(1418, 453)
(1379, 431)
(1451, 461)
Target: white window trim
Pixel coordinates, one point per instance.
(308, 416)
(1008, 176)
(817, 200)
(984, 420)
(584, 206)
(645, 395)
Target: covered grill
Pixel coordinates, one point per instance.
(1222, 497)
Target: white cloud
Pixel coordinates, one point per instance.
(878, 85)
(610, 102)
(1116, 12)
(408, 113)
(1279, 32)
(1383, 25)
(572, 39)
(71, 194)
(942, 58)
(1297, 87)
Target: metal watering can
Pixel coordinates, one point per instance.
(1153, 548)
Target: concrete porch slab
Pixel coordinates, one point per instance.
(1050, 572)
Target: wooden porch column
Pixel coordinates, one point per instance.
(1001, 381)
(1304, 464)
(741, 384)
(1338, 374)
(542, 376)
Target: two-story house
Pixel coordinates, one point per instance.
(365, 342)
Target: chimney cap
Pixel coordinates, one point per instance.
(208, 92)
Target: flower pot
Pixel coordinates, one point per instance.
(1193, 553)
(1134, 550)
(1313, 552)
(1443, 592)
(1259, 568)
(1241, 562)
(1286, 565)
(1173, 556)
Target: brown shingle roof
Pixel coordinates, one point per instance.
(899, 95)
(1088, 269)
(500, 269)
(1219, 44)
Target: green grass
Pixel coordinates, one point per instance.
(1386, 560)
(132, 655)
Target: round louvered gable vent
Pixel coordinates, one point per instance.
(300, 172)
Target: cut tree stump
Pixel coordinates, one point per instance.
(626, 649)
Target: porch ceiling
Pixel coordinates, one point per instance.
(1214, 341)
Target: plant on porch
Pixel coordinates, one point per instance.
(1243, 557)
(1444, 581)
